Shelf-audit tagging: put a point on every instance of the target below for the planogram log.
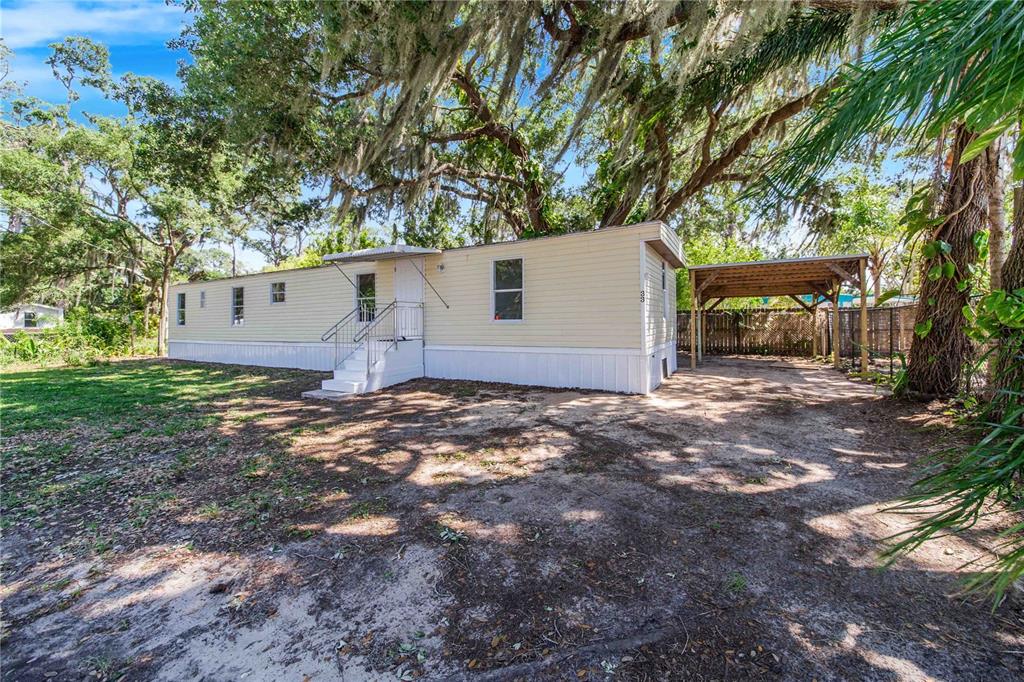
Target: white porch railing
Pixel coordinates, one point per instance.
(377, 329)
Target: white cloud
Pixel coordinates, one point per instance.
(40, 22)
(34, 76)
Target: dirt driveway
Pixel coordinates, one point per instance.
(724, 527)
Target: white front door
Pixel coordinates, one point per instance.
(409, 290)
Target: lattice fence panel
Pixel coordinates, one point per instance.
(776, 331)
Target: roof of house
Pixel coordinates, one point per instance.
(667, 251)
(20, 306)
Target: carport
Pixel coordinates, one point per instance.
(819, 277)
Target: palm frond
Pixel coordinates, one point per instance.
(941, 62)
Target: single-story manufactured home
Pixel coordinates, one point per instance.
(30, 317)
(583, 310)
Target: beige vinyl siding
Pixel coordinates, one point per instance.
(580, 290)
(661, 303)
(315, 298)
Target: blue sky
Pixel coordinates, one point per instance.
(135, 31)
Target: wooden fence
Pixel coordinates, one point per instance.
(776, 331)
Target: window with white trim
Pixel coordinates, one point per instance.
(237, 306)
(181, 310)
(277, 293)
(507, 286)
(30, 321)
(202, 299)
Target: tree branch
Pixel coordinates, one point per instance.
(710, 171)
(530, 184)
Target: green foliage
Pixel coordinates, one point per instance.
(337, 241)
(865, 219)
(386, 106)
(84, 338)
(707, 248)
(963, 486)
(940, 63)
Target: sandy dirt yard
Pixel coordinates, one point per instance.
(725, 527)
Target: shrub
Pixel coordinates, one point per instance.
(964, 485)
(84, 338)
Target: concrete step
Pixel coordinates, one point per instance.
(320, 394)
(343, 385)
(356, 358)
(343, 373)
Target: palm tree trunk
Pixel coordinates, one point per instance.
(1012, 274)
(996, 214)
(938, 358)
(1008, 371)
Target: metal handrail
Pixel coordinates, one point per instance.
(333, 330)
(378, 318)
(373, 350)
(395, 317)
(369, 326)
(344, 333)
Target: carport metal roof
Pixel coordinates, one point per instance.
(819, 276)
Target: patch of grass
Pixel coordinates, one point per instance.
(107, 667)
(119, 394)
(756, 480)
(452, 457)
(736, 583)
(104, 458)
(176, 425)
(368, 508)
(300, 532)
(464, 391)
(57, 585)
(450, 535)
(254, 508)
(211, 511)
(309, 428)
(247, 418)
(102, 545)
(145, 505)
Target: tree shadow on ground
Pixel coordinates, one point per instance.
(723, 527)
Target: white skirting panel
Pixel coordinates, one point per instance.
(318, 356)
(661, 358)
(622, 370)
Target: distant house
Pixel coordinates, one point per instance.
(30, 316)
(853, 300)
(588, 310)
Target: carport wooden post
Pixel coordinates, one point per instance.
(700, 329)
(836, 338)
(814, 329)
(863, 316)
(693, 319)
